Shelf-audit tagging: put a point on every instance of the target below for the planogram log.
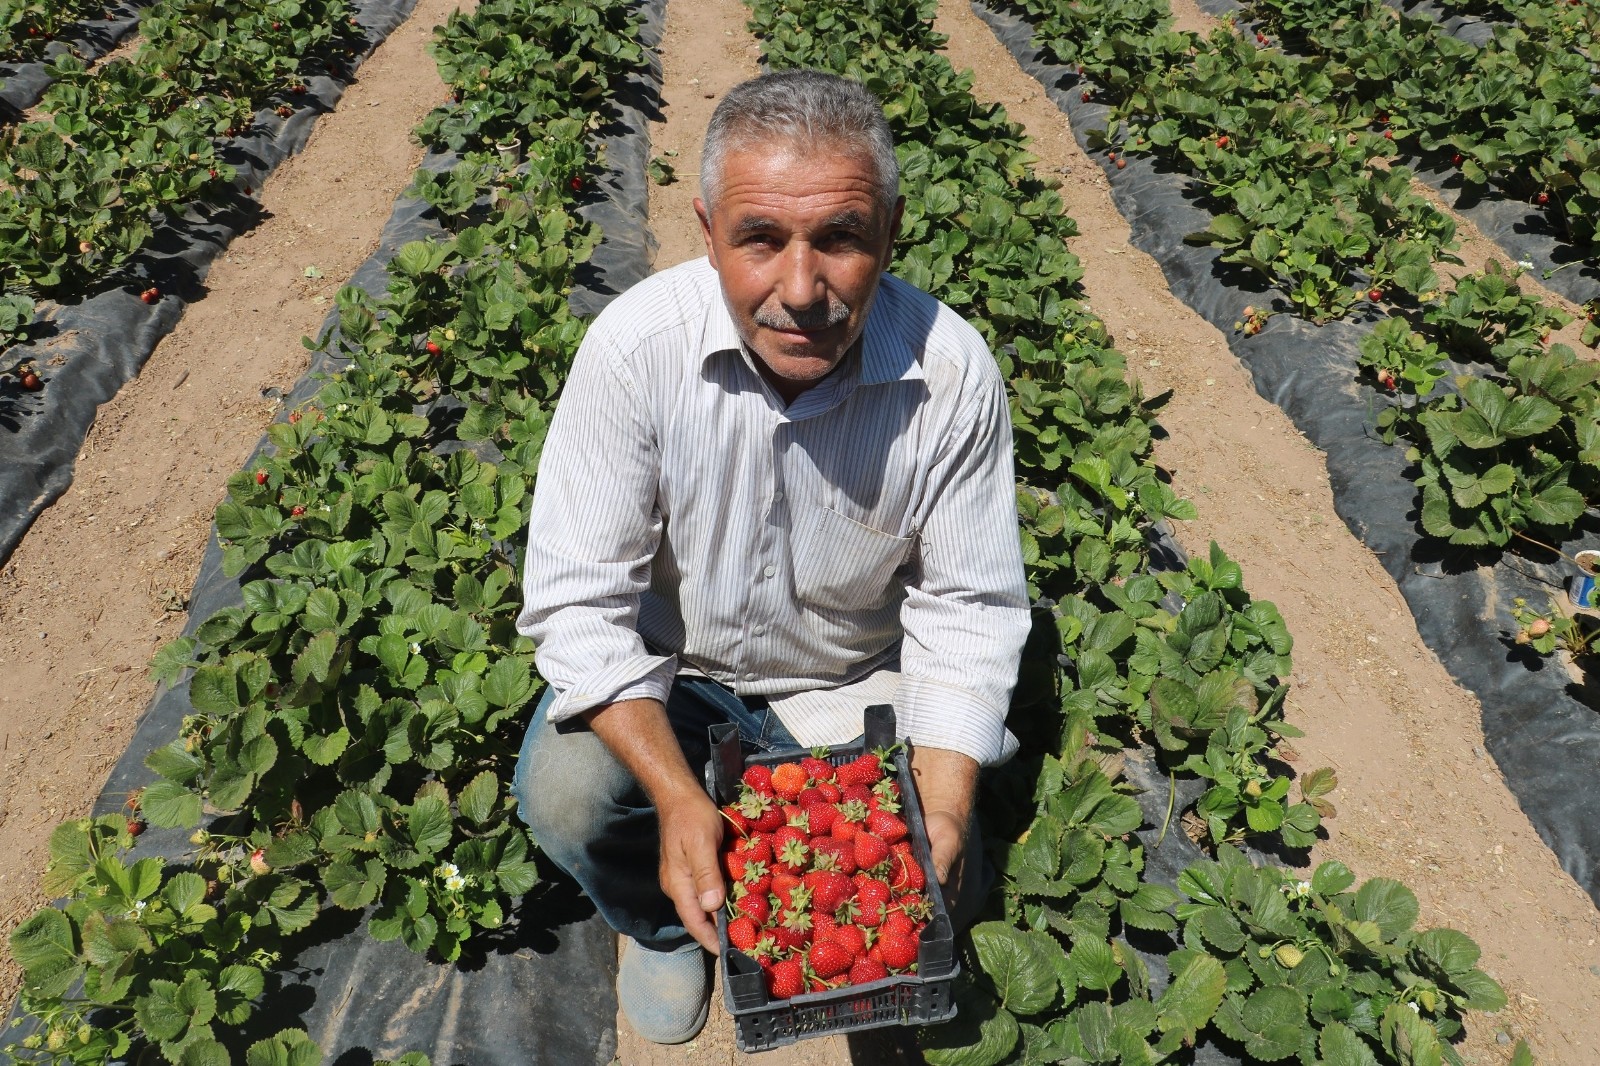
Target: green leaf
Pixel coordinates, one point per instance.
(1331, 877)
(430, 824)
(46, 949)
(1271, 1023)
(1095, 965)
(1018, 964)
(982, 1033)
(1342, 1046)
(205, 1051)
(169, 805)
(1388, 903)
(479, 799)
(1191, 999)
(288, 1047)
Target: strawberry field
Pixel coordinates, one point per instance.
(307, 848)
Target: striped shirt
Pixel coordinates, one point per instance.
(856, 546)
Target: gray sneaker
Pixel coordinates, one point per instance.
(665, 994)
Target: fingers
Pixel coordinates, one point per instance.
(946, 842)
(690, 874)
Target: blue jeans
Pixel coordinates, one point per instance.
(593, 819)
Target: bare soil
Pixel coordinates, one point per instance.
(99, 581)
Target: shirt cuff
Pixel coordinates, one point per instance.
(636, 677)
(936, 715)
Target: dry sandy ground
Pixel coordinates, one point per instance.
(87, 596)
(98, 582)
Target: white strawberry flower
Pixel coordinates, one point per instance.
(416, 649)
(455, 883)
(1414, 1008)
(1525, 264)
(447, 870)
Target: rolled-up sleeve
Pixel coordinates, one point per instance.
(966, 614)
(592, 534)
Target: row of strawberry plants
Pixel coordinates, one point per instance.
(131, 139)
(27, 26)
(357, 716)
(1276, 966)
(1515, 113)
(1287, 159)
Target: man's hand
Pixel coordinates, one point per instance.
(638, 734)
(947, 782)
(691, 830)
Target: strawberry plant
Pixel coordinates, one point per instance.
(357, 714)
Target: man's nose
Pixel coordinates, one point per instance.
(801, 284)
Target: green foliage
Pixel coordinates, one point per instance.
(357, 716)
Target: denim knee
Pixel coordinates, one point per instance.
(570, 789)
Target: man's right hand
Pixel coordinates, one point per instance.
(638, 733)
(691, 832)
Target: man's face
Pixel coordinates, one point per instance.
(799, 243)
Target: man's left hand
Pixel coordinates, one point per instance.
(947, 782)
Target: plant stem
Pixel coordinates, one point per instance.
(1546, 547)
(1172, 795)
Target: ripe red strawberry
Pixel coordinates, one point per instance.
(1375, 295)
(1121, 162)
(856, 794)
(817, 769)
(831, 792)
(897, 921)
(810, 795)
(870, 850)
(432, 348)
(576, 183)
(872, 899)
(736, 818)
(1388, 135)
(788, 780)
(793, 855)
(820, 817)
(905, 872)
(742, 933)
(898, 950)
(759, 778)
(831, 853)
(1456, 159)
(823, 925)
(762, 813)
(744, 851)
(1222, 141)
(829, 888)
(297, 511)
(793, 931)
(888, 826)
(755, 906)
(261, 477)
(829, 958)
(1542, 199)
(757, 878)
(31, 382)
(135, 826)
(786, 979)
(863, 770)
(1087, 96)
(865, 971)
(851, 936)
(150, 295)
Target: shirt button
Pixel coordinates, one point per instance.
(749, 677)
(769, 571)
(760, 630)
(777, 497)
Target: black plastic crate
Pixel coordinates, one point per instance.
(762, 1023)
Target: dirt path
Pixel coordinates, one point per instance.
(1418, 799)
(99, 581)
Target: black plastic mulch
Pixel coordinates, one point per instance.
(87, 351)
(541, 992)
(23, 83)
(1537, 726)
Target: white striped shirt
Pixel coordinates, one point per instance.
(858, 546)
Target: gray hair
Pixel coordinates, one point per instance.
(806, 108)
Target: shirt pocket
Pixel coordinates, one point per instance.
(843, 565)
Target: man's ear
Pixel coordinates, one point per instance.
(894, 231)
(704, 216)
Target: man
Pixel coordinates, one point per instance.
(777, 489)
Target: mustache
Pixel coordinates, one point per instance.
(776, 316)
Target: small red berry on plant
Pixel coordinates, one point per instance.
(261, 477)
